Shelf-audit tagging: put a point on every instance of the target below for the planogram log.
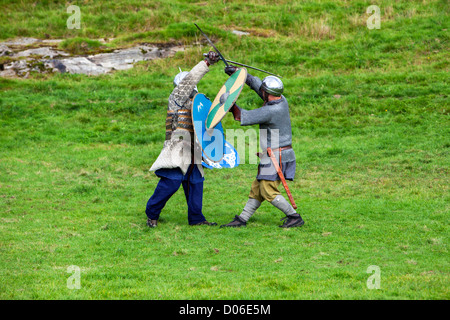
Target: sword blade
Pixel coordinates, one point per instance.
(212, 45)
(244, 65)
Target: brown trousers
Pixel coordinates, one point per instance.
(264, 190)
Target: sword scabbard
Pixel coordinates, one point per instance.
(280, 174)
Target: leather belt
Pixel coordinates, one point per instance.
(281, 149)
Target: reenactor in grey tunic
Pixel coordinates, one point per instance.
(275, 132)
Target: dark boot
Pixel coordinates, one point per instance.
(237, 222)
(152, 223)
(205, 223)
(293, 220)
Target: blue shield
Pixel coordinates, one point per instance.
(212, 143)
(230, 159)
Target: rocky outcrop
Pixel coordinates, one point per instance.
(46, 58)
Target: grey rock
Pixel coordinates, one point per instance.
(21, 42)
(4, 50)
(8, 73)
(44, 52)
(48, 59)
(81, 65)
(240, 33)
(55, 66)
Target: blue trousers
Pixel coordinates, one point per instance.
(166, 188)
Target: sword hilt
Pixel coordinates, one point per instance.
(212, 45)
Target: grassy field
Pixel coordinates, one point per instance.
(370, 119)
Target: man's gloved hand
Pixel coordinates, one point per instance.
(229, 70)
(211, 57)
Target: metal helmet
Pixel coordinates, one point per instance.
(180, 76)
(272, 85)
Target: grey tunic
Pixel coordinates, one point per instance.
(275, 132)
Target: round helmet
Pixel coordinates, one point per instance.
(272, 85)
(180, 76)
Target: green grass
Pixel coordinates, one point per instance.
(79, 46)
(369, 111)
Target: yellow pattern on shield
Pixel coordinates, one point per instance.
(230, 90)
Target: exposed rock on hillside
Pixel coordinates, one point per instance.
(17, 59)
